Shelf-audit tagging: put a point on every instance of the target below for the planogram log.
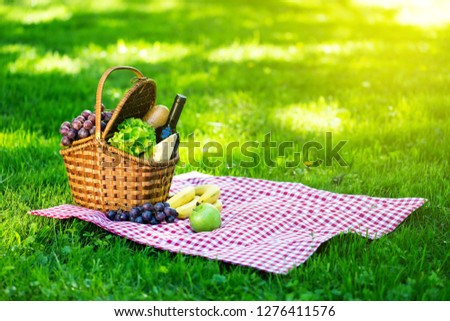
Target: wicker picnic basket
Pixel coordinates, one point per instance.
(103, 177)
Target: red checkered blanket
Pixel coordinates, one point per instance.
(271, 226)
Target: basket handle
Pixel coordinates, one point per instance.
(98, 98)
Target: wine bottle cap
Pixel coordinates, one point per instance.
(179, 98)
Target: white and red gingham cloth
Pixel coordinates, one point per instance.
(271, 226)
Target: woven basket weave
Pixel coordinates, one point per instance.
(103, 177)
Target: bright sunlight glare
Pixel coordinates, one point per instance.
(30, 61)
(313, 116)
(136, 51)
(423, 13)
(239, 52)
(34, 15)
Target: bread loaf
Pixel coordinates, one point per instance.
(157, 116)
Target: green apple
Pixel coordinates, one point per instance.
(205, 217)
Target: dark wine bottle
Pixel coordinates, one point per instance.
(170, 127)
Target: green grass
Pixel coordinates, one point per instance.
(294, 70)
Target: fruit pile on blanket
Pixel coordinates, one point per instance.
(200, 204)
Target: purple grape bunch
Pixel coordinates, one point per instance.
(148, 213)
(82, 126)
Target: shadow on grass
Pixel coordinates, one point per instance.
(210, 24)
(46, 98)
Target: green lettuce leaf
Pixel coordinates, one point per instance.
(135, 137)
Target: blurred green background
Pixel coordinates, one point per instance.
(373, 73)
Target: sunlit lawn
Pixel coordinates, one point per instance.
(375, 77)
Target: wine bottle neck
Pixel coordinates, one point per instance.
(176, 110)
